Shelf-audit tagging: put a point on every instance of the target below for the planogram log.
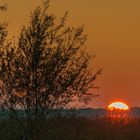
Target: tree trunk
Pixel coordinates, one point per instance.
(35, 136)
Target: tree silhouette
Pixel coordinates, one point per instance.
(46, 70)
(3, 26)
(3, 7)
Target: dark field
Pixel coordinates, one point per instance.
(73, 128)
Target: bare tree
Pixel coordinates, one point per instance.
(3, 26)
(46, 70)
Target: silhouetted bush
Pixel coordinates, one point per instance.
(77, 128)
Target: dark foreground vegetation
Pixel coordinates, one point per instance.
(74, 128)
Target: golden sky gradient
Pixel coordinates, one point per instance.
(113, 29)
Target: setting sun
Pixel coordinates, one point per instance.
(118, 105)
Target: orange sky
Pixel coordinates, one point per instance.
(113, 29)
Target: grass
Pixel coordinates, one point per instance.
(78, 128)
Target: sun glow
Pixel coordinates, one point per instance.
(118, 106)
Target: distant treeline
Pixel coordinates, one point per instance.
(85, 112)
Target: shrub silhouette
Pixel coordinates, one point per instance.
(47, 69)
